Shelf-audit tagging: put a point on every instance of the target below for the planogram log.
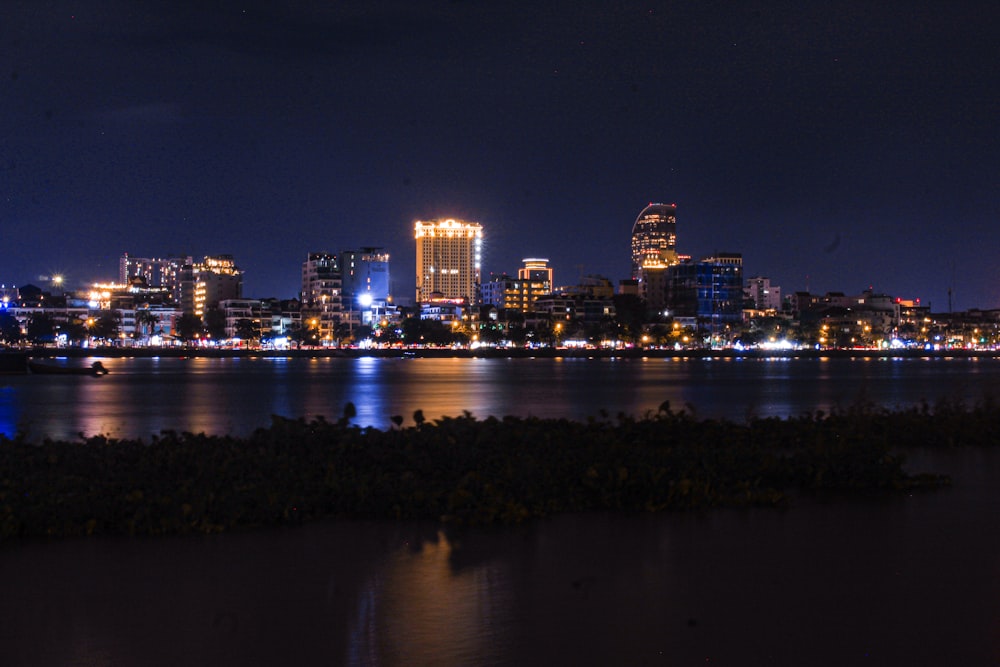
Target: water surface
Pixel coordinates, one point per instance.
(905, 580)
(144, 396)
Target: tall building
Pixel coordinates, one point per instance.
(449, 259)
(654, 238)
(365, 272)
(762, 294)
(321, 295)
(533, 280)
(710, 290)
(202, 285)
(365, 279)
(156, 272)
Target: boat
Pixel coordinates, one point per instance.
(41, 368)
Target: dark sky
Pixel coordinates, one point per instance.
(837, 145)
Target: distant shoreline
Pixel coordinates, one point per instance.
(513, 353)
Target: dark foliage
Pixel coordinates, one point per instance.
(462, 470)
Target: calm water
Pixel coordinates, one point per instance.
(910, 580)
(142, 397)
(906, 580)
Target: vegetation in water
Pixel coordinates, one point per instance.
(462, 470)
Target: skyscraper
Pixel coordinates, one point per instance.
(449, 258)
(654, 238)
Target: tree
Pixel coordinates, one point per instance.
(362, 332)
(75, 330)
(146, 321)
(630, 315)
(247, 330)
(215, 323)
(295, 334)
(411, 330)
(417, 331)
(10, 329)
(189, 327)
(41, 329)
(107, 326)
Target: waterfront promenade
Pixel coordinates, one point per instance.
(514, 353)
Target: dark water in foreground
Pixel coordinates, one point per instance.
(910, 580)
(904, 580)
(142, 397)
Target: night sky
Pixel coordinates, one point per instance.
(837, 145)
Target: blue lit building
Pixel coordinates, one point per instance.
(711, 290)
(365, 281)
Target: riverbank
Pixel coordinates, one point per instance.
(494, 353)
(463, 471)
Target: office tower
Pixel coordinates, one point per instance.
(449, 257)
(365, 280)
(710, 290)
(365, 271)
(654, 238)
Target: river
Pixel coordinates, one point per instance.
(143, 396)
(901, 580)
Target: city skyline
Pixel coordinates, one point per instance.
(648, 219)
(835, 147)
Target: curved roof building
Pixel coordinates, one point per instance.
(654, 237)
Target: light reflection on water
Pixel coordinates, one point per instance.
(420, 604)
(911, 579)
(903, 580)
(142, 397)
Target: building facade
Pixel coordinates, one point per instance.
(710, 291)
(762, 295)
(505, 292)
(206, 283)
(654, 238)
(449, 259)
(155, 272)
(322, 298)
(365, 283)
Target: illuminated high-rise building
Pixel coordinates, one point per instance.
(654, 238)
(321, 295)
(321, 282)
(710, 290)
(365, 277)
(204, 284)
(533, 280)
(365, 272)
(449, 259)
(156, 272)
